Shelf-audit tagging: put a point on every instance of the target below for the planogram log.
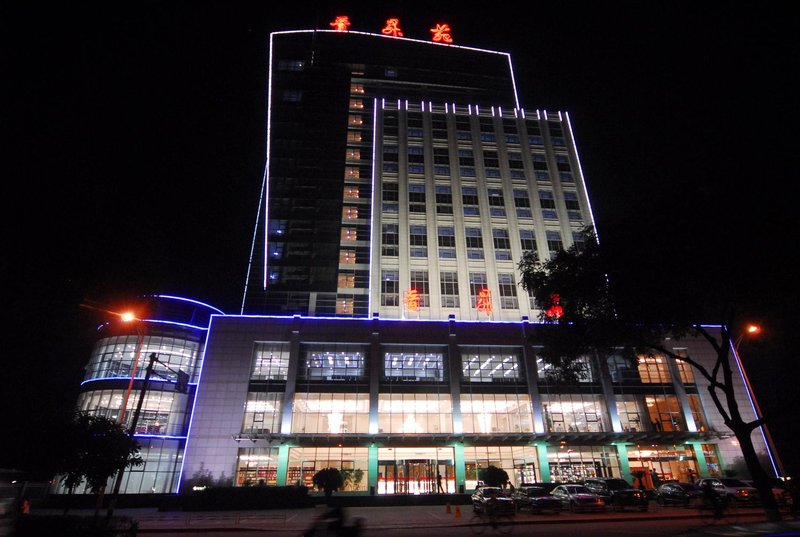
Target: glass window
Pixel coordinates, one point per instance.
(270, 361)
(496, 413)
(554, 242)
(352, 462)
(654, 369)
(486, 364)
(477, 283)
(257, 466)
(390, 288)
(632, 413)
(414, 413)
(519, 462)
(508, 291)
(114, 357)
(584, 413)
(419, 282)
(332, 362)
(413, 364)
(665, 412)
(574, 464)
(331, 413)
(262, 413)
(449, 289)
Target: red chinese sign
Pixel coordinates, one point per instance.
(341, 23)
(484, 302)
(392, 28)
(555, 311)
(441, 33)
(411, 300)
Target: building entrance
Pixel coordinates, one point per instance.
(415, 470)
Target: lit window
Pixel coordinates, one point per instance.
(356, 104)
(352, 172)
(351, 192)
(349, 234)
(357, 88)
(354, 136)
(350, 213)
(353, 154)
(356, 120)
(347, 257)
(347, 280)
(344, 305)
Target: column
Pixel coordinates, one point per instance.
(283, 465)
(454, 370)
(460, 467)
(544, 463)
(372, 469)
(532, 379)
(702, 466)
(291, 377)
(608, 393)
(375, 369)
(680, 392)
(624, 463)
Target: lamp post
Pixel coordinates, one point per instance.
(777, 465)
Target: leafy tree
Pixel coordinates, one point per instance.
(328, 480)
(580, 319)
(493, 476)
(96, 447)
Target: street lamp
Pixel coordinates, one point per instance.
(772, 452)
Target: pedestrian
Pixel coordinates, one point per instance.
(654, 477)
(25, 506)
(439, 483)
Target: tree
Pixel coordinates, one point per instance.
(580, 319)
(493, 476)
(328, 480)
(96, 448)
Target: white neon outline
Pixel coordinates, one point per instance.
(580, 171)
(190, 300)
(372, 202)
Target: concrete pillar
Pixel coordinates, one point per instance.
(544, 464)
(283, 465)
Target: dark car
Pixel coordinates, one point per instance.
(617, 492)
(578, 498)
(536, 499)
(492, 498)
(674, 493)
(731, 489)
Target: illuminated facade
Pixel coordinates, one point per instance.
(383, 330)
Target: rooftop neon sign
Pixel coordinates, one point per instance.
(441, 33)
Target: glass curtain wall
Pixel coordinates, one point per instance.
(519, 462)
(353, 462)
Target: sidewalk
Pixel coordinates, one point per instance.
(295, 521)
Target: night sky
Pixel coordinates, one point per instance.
(135, 147)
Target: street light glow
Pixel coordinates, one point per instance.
(753, 329)
(127, 317)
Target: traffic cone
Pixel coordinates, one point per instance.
(458, 511)
(447, 510)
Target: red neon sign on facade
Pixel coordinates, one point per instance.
(392, 28)
(411, 300)
(442, 33)
(484, 302)
(341, 23)
(555, 311)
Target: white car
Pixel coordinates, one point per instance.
(578, 498)
(734, 490)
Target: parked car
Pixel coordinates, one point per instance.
(617, 492)
(675, 493)
(578, 498)
(483, 496)
(778, 490)
(536, 499)
(734, 490)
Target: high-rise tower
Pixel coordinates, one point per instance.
(404, 179)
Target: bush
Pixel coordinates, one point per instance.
(241, 498)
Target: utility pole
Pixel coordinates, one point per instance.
(132, 431)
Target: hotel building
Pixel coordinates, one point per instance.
(383, 330)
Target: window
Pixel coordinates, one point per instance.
(355, 120)
(351, 192)
(292, 96)
(347, 257)
(416, 197)
(419, 282)
(521, 198)
(488, 364)
(501, 241)
(466, 157)
(416, 154)
(496, 413)
(332, 361)
(390, 238)
(546, 200)
(418, 241)
(474, 242)
(515, 160)
(330, 413)
(654, 369)
(356, 104)
(357, 88)
(448, 282)
(414, 364)
(353, 136)
(469, 198)
(554, 243)
(390, 288)
(270, 361)
(391, 192)
(632, 414)
(262, 413)
(447, 242)
(444, 199)
(349, 234)
(414, 413)
(350, 213)
(527, 240)
(477, 283)
(346, 280)
(291, 65)
(583, 413)
(495, 197)
(508, 291)
(441, 155)
(665, 413)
